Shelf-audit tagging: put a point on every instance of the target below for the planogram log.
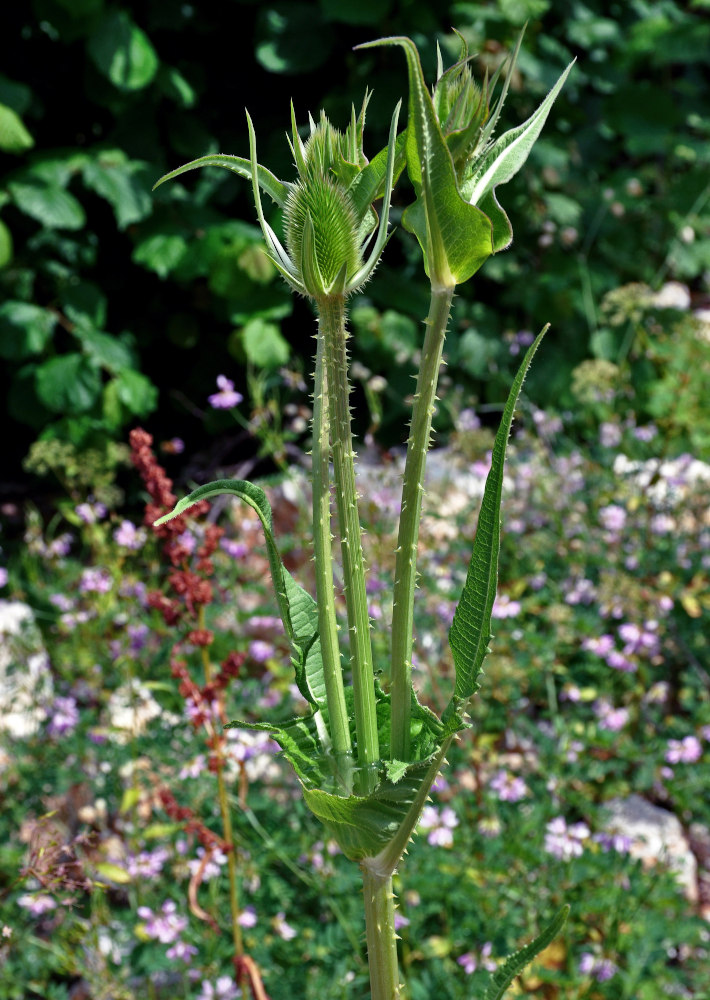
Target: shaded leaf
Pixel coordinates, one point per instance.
(69, 383)
(123, 183)
(14, 137)
(25, 329)
(48, 204)
(123, 52)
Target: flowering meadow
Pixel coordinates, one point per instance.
(584, 775)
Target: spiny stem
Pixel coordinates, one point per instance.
(332, 325)
(381, 936)
(405, 580)
(327, 623)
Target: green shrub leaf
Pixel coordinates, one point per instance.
(14, 137)
(123, 52)
(69, 383)
(48, 204)
(470, 630)
(25, 329)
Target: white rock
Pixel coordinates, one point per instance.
(26, 687)
(656, 837)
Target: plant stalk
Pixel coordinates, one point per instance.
(226, 815)
(381, 936)
(327, 622)
(332, 326)
(405, 580)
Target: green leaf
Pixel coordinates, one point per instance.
(160, 253)
(136, 392)
(104, 349)
(48, 204)
(14, 137)
(6, 250)
(291, 38)
(269, 184)
(123, 183)
(123, 52)
(455, 237)
(25, 329)
(263, 344)
(174, 84)
(470, 630)
(377, 826)
(509, 152)
(514, 964)
(68, 384)
(299, 612)
(113, 873)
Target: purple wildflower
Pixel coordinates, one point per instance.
(504, 607)
(166, 926)
(37, 903)
(95, 580)
(90, 513)
(565, 842)
(182, 950)
(261, 651)
(233, 548)
(508, 787)
(439, 824)
(610, 718)
(601, 969)
(247, 918)
(226, 398)
(284, 930)
(128, 536)
(613, 518)
(147, 864)
(685, 751)
(223, 989)
(64, 716)
(609, 435)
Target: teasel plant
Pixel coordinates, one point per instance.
(368, 752)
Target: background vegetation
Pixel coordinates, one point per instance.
(119, 307)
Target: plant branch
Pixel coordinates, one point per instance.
(332, 326)
(381, 936)
(327, 623)
(407, 542)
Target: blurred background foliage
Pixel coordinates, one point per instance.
(118, 306)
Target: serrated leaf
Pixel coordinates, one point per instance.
(160, 253)
(509, 152)
(455, 236)
(470, 630)
(48, 204)
(68, 384)
(268, 182)
(298, 610)
(516, 963)
(123, 183)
